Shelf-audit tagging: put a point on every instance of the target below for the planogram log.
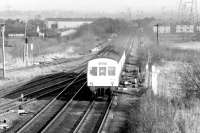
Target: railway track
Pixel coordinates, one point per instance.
(33, 96)
(50, 113)
(80, 116)
(40, 85)
(51, 78)
(46, 114)
(68, 119)
(45, 79)
(95, 117)
(37, 90)
(36, 81)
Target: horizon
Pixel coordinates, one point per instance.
(111, 6)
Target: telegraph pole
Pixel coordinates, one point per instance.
(25, 54)
(3, 47)
(157, 34)
(24, 46)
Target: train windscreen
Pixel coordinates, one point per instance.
(102, 71)
(111, 71)
(93, 71)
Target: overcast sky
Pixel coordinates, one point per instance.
(90, 5)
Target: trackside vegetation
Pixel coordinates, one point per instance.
(175, 114)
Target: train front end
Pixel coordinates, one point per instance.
(102, 76)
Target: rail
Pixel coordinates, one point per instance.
(84, 117)
(105, 116)
(89, 118)
(61, 112)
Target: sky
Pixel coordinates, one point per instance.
(90, 5)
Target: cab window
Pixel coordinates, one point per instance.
(102, 71)
(111, 71)
(93, 71)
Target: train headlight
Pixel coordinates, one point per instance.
(91, 83)
(112, 83)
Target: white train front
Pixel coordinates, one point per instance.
(103, 74)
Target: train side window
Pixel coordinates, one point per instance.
(102, 71)
(111, 71)
(93, 71)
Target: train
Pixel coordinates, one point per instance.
(104, 72)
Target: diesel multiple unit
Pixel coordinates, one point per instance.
(104, 72)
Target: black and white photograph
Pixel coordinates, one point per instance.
(99, 66)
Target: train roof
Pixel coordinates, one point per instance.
(112, 52)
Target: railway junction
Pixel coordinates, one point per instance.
(62, 102)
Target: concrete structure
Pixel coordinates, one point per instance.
(67, 23)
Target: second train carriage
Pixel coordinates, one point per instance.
(103, 74)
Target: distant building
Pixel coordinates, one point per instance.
(16, 35)
(162, 29)
(184, 28)
(198, 28)
(68, 32)
(67, 23)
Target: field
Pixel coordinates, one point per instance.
(48, 48)
(188, 45)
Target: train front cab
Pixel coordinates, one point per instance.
(102, 77)
(101, 92)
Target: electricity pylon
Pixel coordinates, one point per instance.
(187, 11)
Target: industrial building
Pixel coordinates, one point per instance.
(184, 28)
(67, 23)
(162, 29)
(176, 28)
